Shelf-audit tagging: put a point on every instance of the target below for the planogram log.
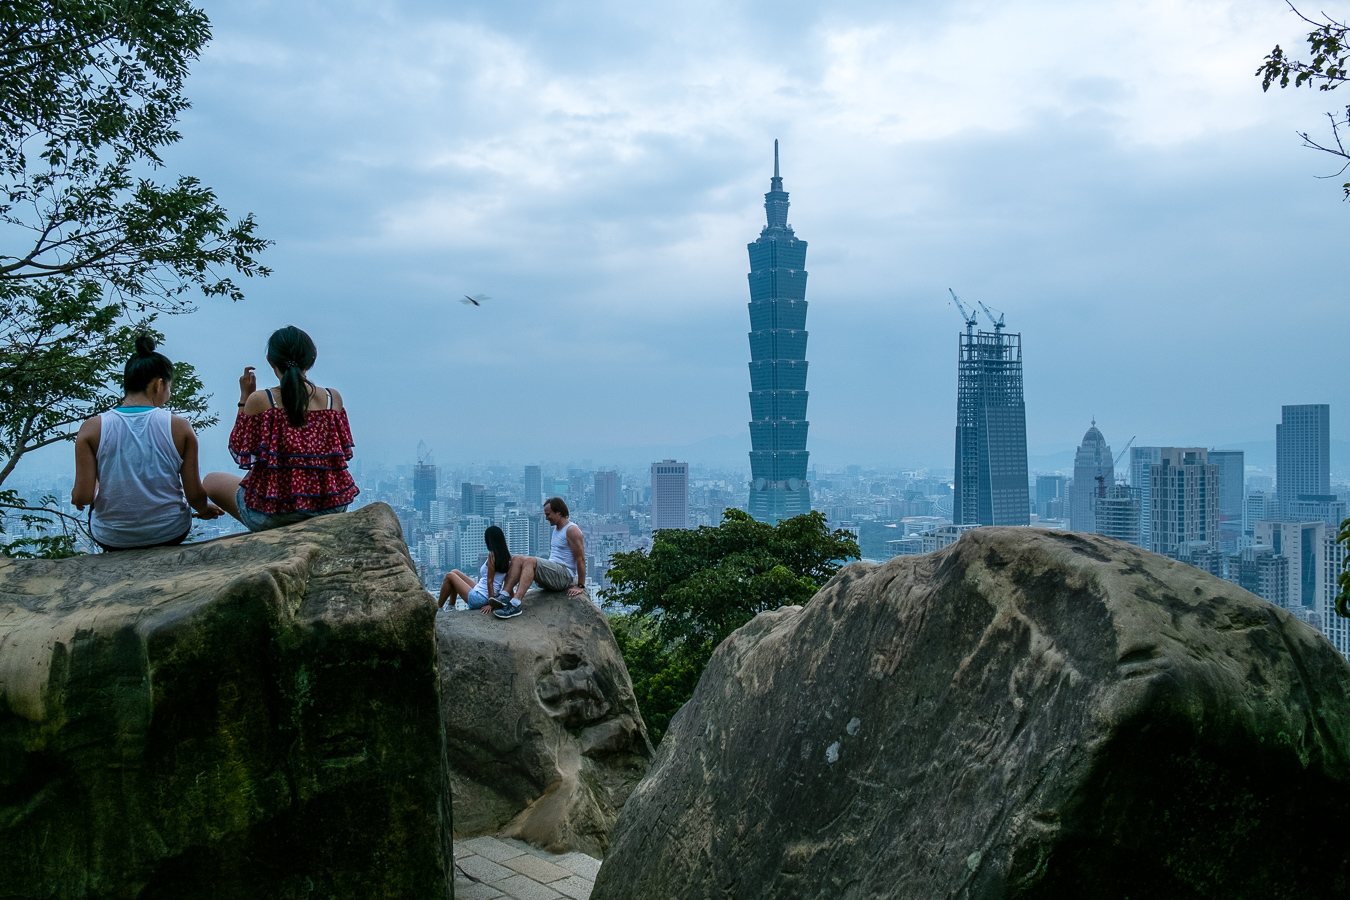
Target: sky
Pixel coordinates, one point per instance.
(1109, 175)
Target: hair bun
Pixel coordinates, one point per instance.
(145, 345)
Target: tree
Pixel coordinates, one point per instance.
(1329, 43)
(698, 586)
(95, 249)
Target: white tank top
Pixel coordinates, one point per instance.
(560, 552)
(481, 586)
(140, 491)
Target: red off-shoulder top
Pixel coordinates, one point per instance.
(293, 469)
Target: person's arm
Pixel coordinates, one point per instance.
(86, 463)
(185, 439)
(492, 572)
(576, 543)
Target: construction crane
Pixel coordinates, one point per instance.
(1101, 479)
(970, 316)
(998, 323)
(1128, 444)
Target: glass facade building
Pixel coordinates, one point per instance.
(778, 457)
(991, 485)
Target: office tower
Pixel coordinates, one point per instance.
(1093, 472)
(473, 500)
(778, 457)
(517, 531)
(1302, 543)
(541, 536)
(424, 486)
(670, 494)
(1184, 488)
(1232, 495)
(472, 546)
(1261, 506)
(991, 431)
(1119, 514)
(1315, 508)
(1142, 460)
(438, 514)
(1049, 489)
(1303, 454)
(607, 492)
(534, 487)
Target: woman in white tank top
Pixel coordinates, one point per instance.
(484, 594)
(137, 464)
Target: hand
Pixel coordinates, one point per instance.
(248, 383)
(79, 506)
(575, 591)
(486, 610)
(211, 512)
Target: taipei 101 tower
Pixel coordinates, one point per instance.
(778, 456)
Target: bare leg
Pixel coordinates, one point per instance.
(457, 583)
(513, 571)
(221, 488)
(526, 579)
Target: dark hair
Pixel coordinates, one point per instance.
(558, 505)
(145, 366)
(496, 544)
(292, 351)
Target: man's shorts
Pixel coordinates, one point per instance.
(552, 576)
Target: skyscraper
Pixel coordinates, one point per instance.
(1303, 452)
(778, 455)
(991, 485)
(424, 485)
(670, 494)
(1050, 496)
(1232, 495)
(1184, 487)
(1142, 461)
(607, 492)
(534, 487)
(1094, 472)
(1117, 513)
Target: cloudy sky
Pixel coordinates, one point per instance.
(1108, 174)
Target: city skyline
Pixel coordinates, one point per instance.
(365, 143)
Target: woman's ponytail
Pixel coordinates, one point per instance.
(145, 366)
(292, 351)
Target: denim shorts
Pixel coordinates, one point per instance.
(259, 521)
(476, 599)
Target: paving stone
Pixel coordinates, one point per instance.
(540, 870)
(529, 848)
(484, 869)
(490, 847)
(573, 886)
(522, 888)
(585, 866)
(468, 890)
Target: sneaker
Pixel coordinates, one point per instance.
(508, 612)
(496, 603)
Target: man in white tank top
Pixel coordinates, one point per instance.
(564, 570)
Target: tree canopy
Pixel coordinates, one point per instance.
(697, 586)
(1326, 70)
(93, 246)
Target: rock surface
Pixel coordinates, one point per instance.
(543, 736)
(255, 716)
(1025, 714)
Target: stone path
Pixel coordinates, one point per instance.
(516, 870)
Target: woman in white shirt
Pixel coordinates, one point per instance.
(136, 464)
(483, 594)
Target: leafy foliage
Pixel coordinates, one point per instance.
(1327, 69)
(93, 247)
(698, 586)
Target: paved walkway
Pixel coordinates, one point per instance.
(515, 869)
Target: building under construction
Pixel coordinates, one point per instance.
(990, 484)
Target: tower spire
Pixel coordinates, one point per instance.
(775, 157)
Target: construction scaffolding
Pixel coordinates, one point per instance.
(991, 432)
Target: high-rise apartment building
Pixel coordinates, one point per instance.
(991, 485)
(1336, 628)
(472, 547)
(1302, 544)
(1142, 460)
(1232, 496)
(778, 457)
(670, 494)
(1094, 472)
(1184, 492)
(1303, 453)
(534, 487)
(1261, 506)
(424, 486)
(607, 492)
(517, 532)
(1118, 514)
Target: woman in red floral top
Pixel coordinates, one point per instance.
(293, 439)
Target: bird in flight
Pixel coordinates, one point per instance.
(476, 299)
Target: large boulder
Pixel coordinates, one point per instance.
(1027, 714)
(543, 735)
(255, 716)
